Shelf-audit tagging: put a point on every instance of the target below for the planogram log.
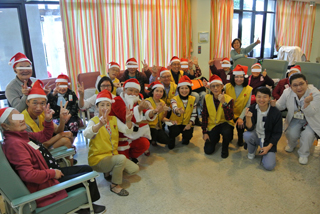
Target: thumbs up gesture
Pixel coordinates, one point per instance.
(221, 98)
(248, 113)
(308, 99)
(264, 73)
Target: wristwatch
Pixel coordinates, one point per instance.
(224, 104)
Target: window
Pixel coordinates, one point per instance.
(252, 20)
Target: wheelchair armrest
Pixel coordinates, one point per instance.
(36, 195)
(64, 153)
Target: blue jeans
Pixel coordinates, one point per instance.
(252, 140)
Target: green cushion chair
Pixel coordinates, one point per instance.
(18, 199)
(276, 69)
(312, 72)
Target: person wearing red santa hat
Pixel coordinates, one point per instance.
(169, 86)
(154, 100)
(256, 79)
(33, 162)
(284, 83)
(225, 73)
(183, 112)
(113, 73)
(217, 118)
(132, 72)
(187, 66)
(134, 144)
(62, 93)
(17, 90)
(103, 132)
(240, 92)
(34, 117)
(176, 71)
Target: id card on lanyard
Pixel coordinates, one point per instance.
(298, 114)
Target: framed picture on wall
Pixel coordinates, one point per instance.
(203, 37)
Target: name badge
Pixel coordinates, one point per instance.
(228, 77)
(33, 145)
(70, 97)
(298, 115)
(261, 79)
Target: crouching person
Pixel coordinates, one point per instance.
(264, 125)
(104, 134)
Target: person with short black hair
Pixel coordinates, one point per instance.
(217, 118)
(239, 52)
(303, 119)
(225, 73)
(264, 125)
(240, 92)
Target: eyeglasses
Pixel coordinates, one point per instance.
(105, 86)
(298, 85)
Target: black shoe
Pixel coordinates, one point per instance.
(197, 122)
(245, 145)
(134, 160)
(98, 208)
(75, 162)
(225, 154)
(240, 142)
(185, 142)
(171, 143)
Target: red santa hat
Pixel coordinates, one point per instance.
(4, 113)
(295, 68)
(37, 91)
(114, 65)
(104, 95)
(256, 69)
(174, 59)
(185, 80)
(63, 80)
(215, 78)
(132, 83)
(184, 63)
(155, 84)
(132, 63)
(164, 70)
(20, 57)
(240, 70)
(227, 60)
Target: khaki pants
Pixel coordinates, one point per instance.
(116, 164)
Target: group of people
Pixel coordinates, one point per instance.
(129, 118)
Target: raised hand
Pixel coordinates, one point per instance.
(81, 89)
(264, 73)
(240, 123)
(205, 84)
(211, 62)
(64, 112)
(308, 99)
(154, 71)
(258, 41)
(179, 110)
(129, 114)
(117, 84)
(273, 102)
(48, 112)
(190, 64)
(145, 65)
(143, 105)
(25, 89)
(47, 88)
(160, 108)
(248, 113)
(195, 61)
(221, 98)
(55, 91)
(104, 118)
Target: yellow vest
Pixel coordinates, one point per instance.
(116, 80)
(241, 101)
(216, 117)
(184, 119)
(158, 120)
(102, 145)
(30, 122)
(181, 72)
(171, 94)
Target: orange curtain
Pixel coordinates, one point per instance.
(221, 28)
(99, 31)
(294, 25)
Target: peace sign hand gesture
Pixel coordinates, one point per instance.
(145, 65)
(47, 88)
(64, 112)
(48, 112)
(129, 114)
(104, 118)
(25, 89)
(81, 89)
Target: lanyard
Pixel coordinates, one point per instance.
(298, 106)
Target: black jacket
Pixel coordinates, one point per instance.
(273, 126)
(140, 76)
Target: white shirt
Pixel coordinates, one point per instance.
(260, 123)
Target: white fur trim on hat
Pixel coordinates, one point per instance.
(61, 80)
(225, 61)
(256, 70)
(115, 66)
(132, 66)
(184, 66)
(6, 114)
(174, 60)
(104, 99)
(184, 83)
(294, 69)
(157, 86)
(132, 85)
(165, 71)
(24, 68)
(32, 96)
(21, 60)
(218, 81)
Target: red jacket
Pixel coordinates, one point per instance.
(278, 90)
(30, 164)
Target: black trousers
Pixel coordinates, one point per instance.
(175, 130)
(226, 130)
(75, 171)
(239, 131)
(159, 135)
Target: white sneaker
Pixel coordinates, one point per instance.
(303, 160)
(251, 156)
(288, 149)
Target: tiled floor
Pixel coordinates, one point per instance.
(185, 180)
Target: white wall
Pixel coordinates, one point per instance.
(315, 50)
(200, 18)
